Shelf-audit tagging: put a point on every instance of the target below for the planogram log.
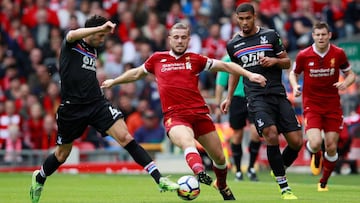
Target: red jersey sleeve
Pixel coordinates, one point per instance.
(150, 62)
(345, 65)
(298, 66)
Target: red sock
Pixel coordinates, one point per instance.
(328, 168)
(194, 161)
(220, 177)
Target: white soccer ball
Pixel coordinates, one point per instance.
(189, 187)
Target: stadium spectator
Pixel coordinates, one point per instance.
(186, 116)
(13, 141)
(150, 92)
(222, 11)
(13, 145)
(261, 51)
(352, 17)
(282, 21)
(34, 127)
(334, 15)
(213, 47)
(69, 12)
(41, 31)
(51, 100)
(135, 120)
(152, 131)
(83, 104)
(154, 31)
(30, 19)
(115, 66)
(174, 15)
(49, 130)
(199, 18)
(22, 99)
(321, 64)
(301, 21)
(40, 80)
(229, 28)
(125, 26)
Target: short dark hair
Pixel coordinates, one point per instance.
(245, 7)
(321, 25)
(95, 21)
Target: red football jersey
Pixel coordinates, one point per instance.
(321, 71)
(177, 79)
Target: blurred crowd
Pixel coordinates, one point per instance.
(32, 32)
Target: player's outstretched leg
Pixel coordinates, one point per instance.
(204, 178)
(316, 163)
(35, 188)
(165, 184)
(225, 192)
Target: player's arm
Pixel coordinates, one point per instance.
(350, 78)
(129, 76)
(293, 79)
(233, 82)
(282, 61)
(234, 68)
(221, 82)
(80, 33)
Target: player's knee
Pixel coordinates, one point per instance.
(220, 159)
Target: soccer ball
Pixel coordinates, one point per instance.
(189, 187)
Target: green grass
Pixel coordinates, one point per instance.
(102, 188)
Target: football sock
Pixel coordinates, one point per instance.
(254, 151)
(237, 152)
(289, 155)
(220, 173)
(329, 163)
(141, 157)
(193, 159)
(50, 165)
(277, 165)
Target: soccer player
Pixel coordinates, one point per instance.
(260, 50)
(83, 104)
(186, 115)
(321, 64)
(238, 115)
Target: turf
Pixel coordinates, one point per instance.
(102, 188)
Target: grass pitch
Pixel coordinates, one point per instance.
(102, 188)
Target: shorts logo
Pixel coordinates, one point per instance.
(114, 112)
(260, 123)
(59, 140)
(168, 122)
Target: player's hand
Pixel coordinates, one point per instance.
(297, 91)
(107, 83)
(340, 85)
(109, 27)
(224, 106)
(255, 77)
(267, 61)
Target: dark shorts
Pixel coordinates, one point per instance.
(73, 119)
(238, 113)
(273, 110)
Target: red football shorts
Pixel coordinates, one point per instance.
(329, 122)
(200, 123)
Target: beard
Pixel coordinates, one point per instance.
(178, 53)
